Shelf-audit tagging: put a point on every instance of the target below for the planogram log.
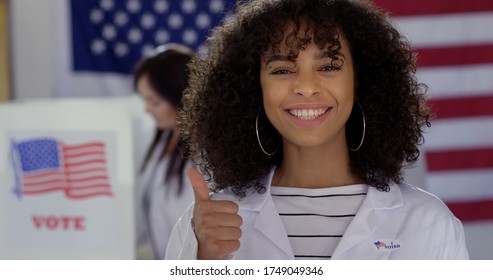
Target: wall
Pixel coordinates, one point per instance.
(31, 25)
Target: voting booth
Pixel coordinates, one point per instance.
(68, 170)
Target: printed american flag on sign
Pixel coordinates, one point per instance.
(454, 42)
(45, 165)
(112, 35)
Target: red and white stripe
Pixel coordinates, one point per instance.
(454, 42)
(85, 167)
(84, 173)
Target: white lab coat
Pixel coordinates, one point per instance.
(404, 223)
(158, 205)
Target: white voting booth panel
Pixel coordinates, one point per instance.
(67, 170)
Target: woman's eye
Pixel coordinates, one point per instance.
(281, 72)
(328, 68)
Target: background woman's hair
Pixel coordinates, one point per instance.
(167, 72)
(224, 95)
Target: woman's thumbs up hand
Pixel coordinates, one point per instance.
(217, 223)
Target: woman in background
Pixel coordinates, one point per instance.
(162, 192)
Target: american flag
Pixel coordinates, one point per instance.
(379, 244)
(45, 165)
(454, 42)
(112, 35)
(453, 39)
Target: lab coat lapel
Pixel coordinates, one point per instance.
(268, 222)
(365, 223)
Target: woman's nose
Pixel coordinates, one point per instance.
(306, 84)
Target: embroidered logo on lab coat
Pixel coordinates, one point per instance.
(387, 245)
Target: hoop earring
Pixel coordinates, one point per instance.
(364, 131)
(258, 139)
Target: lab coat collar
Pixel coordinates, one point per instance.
(254, 201)
(385, 200)
(268, 221)
(375, 199)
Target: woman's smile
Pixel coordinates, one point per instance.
(307, 114)
(308, 117)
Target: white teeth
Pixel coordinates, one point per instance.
(308, 114)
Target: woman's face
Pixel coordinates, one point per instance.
(163, 112)
(308, 100)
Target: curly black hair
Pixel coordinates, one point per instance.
(224, 96)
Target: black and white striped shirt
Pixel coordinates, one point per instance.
(316, 219)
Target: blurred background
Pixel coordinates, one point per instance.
(62, 60)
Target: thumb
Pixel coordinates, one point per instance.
(200, 189)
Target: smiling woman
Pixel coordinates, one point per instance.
(301, 117)
(308, 101)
